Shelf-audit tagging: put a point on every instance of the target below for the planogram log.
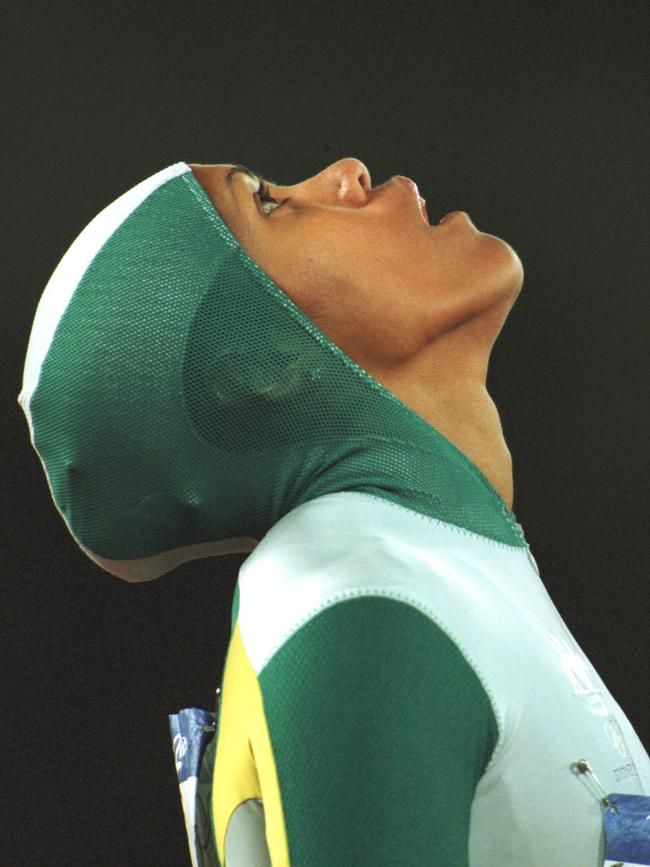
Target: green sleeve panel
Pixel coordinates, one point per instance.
(380, 731)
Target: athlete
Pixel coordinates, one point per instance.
(220, 363)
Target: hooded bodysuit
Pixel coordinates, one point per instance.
(399, 689)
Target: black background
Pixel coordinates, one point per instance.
(533, 118)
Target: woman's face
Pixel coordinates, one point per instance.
(363, 263)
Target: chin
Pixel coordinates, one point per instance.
(504, 261)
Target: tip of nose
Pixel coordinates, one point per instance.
(357, 168)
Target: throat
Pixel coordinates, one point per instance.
(483, 443)
(467, 416)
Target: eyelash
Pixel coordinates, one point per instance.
(263, 194)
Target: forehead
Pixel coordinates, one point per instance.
(214, 180)
(211, 168)
(219, 175)
(213, 175)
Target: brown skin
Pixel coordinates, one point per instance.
(419, 307)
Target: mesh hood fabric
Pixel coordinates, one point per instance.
(181, 397)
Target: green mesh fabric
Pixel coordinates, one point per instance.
(185, 398)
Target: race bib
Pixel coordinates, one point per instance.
(627, 831)
(194, 743)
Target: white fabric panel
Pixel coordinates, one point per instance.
(67, 274)
(552, 707)
(245, 843)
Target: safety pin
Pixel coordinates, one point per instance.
(212, 726)
(582, 766)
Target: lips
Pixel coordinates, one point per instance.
(412, 186)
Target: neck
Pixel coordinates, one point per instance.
(460, 408)
(445, 384)
(471, 421)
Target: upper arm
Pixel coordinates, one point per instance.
(378, 732)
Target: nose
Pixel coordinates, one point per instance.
(353, 178)
(347, 180)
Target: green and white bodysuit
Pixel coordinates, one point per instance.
(399, 689)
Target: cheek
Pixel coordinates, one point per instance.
(358, 288)
(313, 270)
(376, 325)
(363, 294)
